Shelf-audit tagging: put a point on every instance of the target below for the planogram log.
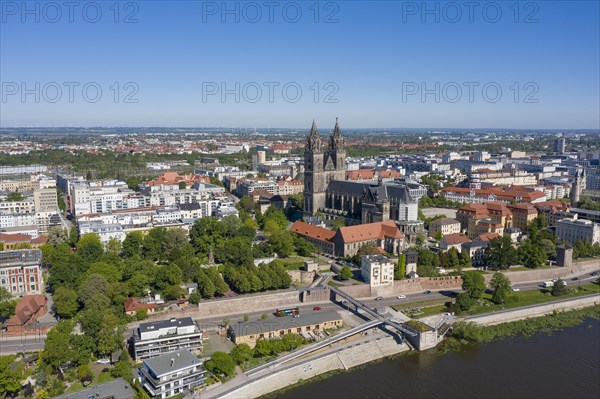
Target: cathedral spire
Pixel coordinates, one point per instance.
(314, 140)
(336, 141)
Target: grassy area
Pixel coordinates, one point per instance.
(417, 326)
(333, 284)
(530, 297)
(293, 262)
(99, 378)
(255, 362)
(423, 308)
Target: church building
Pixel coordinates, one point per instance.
(327, 191)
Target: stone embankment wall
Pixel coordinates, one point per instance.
(247, 303)
(548, 274)
(344, 359)
(535, 311)
(302, 277)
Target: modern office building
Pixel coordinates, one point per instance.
(156, 338)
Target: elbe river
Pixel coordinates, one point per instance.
(564, 364)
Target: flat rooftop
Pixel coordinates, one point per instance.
(308, 318)
(117, 389)
(172, 361)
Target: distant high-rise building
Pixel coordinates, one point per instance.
(559, 145)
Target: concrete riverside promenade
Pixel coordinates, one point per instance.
(506, 316)
(367, 350)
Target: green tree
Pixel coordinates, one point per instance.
(166, 276)
(113, 246)
(14, 196)
(263, 348)
(122, 368)
(57, 235)
(84, 374)
(500, 254)
(400, 269)
(89, 247)
(241, 353)
(337, 223)
(11, 375)
(110, 335)
(107, 270)
(474, 284)
(57, 351)
(65, 302)
(133, 243)
(501, 286)
(282, 243)
(532, 254)
(345, 273)
(559, 288)
(93, 285)
(182, 185)
(464, 301)
(73, 236)
(152, 247)
(7, 304)
(221, 363)
(292, 341)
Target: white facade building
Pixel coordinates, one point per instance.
(577, 230)
(377, 270)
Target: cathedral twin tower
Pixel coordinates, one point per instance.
(321, 166)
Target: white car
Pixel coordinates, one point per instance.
(103, 361)
(401, 296)
(515, 289)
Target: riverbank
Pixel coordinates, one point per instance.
(321, 366)
(467, 333)
(473, 335)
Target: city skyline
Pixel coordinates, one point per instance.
(531, 66)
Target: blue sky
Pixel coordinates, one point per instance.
(367, 62)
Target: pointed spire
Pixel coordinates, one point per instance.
(336, 141)
(314, 140)
(313, 129)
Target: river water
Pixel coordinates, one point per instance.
(565, 364)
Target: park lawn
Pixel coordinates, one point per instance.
(532, 297)
(293, 262)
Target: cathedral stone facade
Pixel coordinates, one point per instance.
(327, 191)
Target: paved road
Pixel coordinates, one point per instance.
(12, 345)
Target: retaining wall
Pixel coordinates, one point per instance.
(248, 303)
(344, 359)
(535, 311)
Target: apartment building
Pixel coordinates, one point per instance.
(522, 214)
(445, 226)
(377, 270)
(21, 272)
(577, 230)
(105, 231)
(100, 196)
(171, 374)
(156, 338)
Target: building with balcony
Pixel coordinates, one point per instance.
(171, 374)
(156, 338)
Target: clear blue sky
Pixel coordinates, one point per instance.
(373, 54)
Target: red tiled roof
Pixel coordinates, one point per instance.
(18, 237)
(312, 231)
(26, 309)
(370, 231)
(132, 304)
(456, 238)
(487, 236)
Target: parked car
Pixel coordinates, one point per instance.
(401, 296)
(103, 361)
(427, 292)
(515, 289)
(594, 274)
(379, 298)
(316, 308)
(575, 279)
